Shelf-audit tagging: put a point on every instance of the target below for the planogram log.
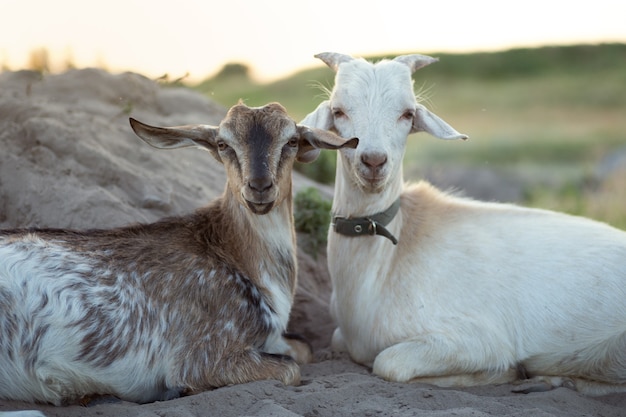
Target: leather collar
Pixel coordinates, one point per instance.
(369, 225)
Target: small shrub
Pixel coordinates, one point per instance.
(312, 216)
(322, 170)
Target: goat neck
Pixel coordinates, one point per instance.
(260, 240)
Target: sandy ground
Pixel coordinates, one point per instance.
(69, 159)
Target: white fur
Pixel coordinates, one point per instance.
(60, 371)
(474, 291)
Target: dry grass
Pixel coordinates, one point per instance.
(605, 201)
(552, 132)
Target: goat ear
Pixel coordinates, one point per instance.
(321, 117)
(202, 136)
(425, 121)
(313, 139)
(415, 61)
(333, 59)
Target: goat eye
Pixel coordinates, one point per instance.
(221, 145)
(408, 115)
(293, 142)
(338, 113)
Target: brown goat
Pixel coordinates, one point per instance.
(149, 311)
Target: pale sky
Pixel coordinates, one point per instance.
(278, 37)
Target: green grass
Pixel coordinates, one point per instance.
(549, 114)
(312, 216)
(552, 126)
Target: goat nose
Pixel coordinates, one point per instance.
(374, 159)
(260, 184)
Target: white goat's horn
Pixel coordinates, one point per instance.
(333, 59)
(415, 61)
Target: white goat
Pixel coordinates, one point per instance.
(149, 311)
(473, 292)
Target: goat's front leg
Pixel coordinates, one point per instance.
(434, 360)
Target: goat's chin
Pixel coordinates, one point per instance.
(372, 185)
(371, 182)
(260, 208)
(371, 189)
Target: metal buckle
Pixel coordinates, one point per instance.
(372, 226)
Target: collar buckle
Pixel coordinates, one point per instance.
(370, 225)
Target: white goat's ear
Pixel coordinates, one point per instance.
(202, 136)
(333, 59)
(321, 117)
(415, 61)
(313, 139)
(425, 121)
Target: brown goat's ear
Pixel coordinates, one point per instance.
(313, 139)
(202, 136)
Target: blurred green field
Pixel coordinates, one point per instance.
(548, 117)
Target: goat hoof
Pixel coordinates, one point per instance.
(526, 387)
(543, 384)
(301, 349)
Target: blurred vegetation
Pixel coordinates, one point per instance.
(312, 216)
(39, 60)
(299, 93)
(548, 116)
(530, 62)
(545, 115)
(587, 71)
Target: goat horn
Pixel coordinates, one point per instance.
(415, 61)
(334, 59)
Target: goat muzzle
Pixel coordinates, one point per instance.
(260, 199)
